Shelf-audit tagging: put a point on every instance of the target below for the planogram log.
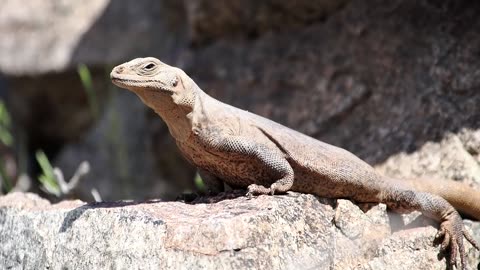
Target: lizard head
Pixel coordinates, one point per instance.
(159, 85)
(165, 89)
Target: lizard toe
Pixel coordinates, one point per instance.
(273, 188)
(255, 189)
(452, 230)
(471, 240)
(279, 188)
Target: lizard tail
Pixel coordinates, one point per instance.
(463, 197)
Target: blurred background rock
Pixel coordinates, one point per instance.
(394, 82)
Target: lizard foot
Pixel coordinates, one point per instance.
(451, 234)
(254, 189)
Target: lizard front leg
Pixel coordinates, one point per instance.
(272, 159)
(277, 164)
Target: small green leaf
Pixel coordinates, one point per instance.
(7, 183)
(87, 82)
(5, 122)
(199, 183)
(47, 178)
(6, 137)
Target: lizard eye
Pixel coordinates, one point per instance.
(149, 66)
(175, 82)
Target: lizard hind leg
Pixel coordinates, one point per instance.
(452, 230)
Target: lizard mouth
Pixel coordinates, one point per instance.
(128, 83)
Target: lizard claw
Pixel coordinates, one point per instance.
(446, 239)
(452, 231)
(273, 188)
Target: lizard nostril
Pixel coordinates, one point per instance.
(119, 70)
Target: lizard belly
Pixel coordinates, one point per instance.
(343, 181)
(235, 169)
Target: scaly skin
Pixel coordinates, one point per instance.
(245, 150)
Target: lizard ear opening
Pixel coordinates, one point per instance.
(184, 81)
(178, 80)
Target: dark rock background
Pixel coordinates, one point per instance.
(379, 78)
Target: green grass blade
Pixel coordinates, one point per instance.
(47, 178)
(87, 82)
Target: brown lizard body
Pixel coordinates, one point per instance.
(245, 150)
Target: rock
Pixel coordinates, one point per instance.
(447, 159)
(269, 232)
(209, 20)
(471, 141)
(41, 37)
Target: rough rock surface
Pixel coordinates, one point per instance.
(456, 157)
(292, 231)
(39, 36)
(209, 20)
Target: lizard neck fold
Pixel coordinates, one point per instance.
(199, 115)
(182, 115)
(176, 116)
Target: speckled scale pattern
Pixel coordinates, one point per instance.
(217, 159)
(262, 152)
(248, 151)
